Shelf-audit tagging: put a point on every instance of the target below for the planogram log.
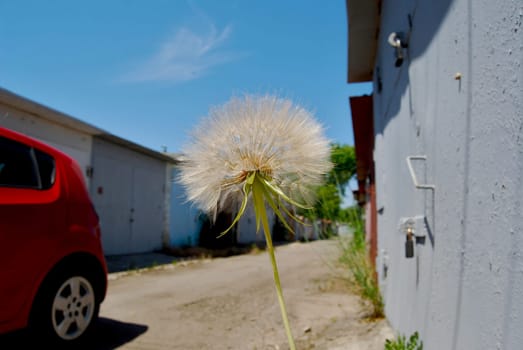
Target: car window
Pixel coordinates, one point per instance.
(46, 168)
(17, 168)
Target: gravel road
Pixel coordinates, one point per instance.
(230, 303)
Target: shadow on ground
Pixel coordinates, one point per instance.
(129, 262)
(107, 334)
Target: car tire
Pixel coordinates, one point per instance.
(66, 307)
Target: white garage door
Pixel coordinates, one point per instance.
(127, 189)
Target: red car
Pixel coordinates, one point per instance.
(53, 274)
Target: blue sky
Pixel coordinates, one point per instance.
(149, 70)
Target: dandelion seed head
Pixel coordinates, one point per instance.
(264, 134)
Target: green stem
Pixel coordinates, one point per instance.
(259, 204)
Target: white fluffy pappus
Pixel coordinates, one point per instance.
(264, 134)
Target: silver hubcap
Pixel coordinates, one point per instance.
(73, 308)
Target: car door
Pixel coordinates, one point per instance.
(31, 218)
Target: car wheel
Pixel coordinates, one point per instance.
(67, 308)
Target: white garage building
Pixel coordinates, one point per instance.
(127, 182)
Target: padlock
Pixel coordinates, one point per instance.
(409, 248)
(409, 244)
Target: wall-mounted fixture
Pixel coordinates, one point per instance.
(415, 231)
(89, 171)
(430, 222)
(413, 174)
(398, 42)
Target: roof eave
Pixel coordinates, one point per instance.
(363, 25)
(166, 157)
(34, 108)
(21, 103)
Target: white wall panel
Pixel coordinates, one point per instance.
(128, 190)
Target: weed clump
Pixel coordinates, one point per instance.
(402, 343)
(355, 257)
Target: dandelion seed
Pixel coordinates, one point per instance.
(259, 147)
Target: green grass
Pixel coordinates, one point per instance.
(355, 257)
(401, 343)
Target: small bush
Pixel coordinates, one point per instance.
(401, 343)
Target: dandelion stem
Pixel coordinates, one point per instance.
(259, 204)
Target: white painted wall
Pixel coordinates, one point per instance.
(75, 143)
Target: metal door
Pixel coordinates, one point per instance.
(111, 192)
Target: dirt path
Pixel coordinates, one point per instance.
(231, 303)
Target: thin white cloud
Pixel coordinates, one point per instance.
(186, 55)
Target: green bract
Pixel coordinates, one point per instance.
(262, 189)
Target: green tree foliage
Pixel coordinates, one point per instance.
(329, 201)
(344, 160)
(329, 196)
